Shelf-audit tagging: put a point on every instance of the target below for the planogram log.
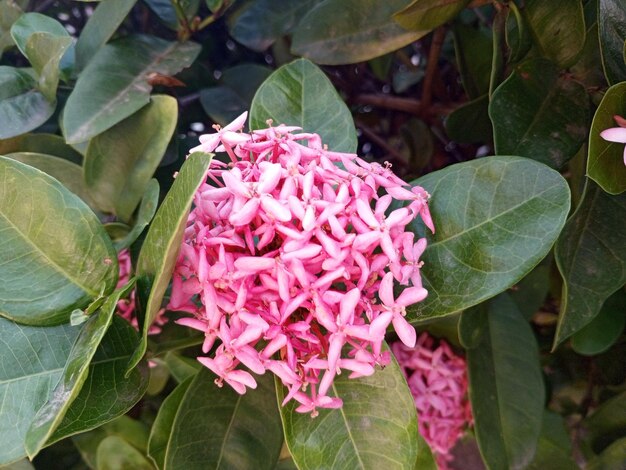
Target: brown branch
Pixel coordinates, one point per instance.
(431, 68)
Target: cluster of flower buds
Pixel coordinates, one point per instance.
(437, 378)
(289, 260)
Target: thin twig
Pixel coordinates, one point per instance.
(431, 68)
(398, 103)
(188, 99)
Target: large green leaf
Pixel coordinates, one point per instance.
(611, 458)
(114, 453)
(469, 123)
(101, 26)
(162, 243)
(554, 449)
(105, 95)
(10, 12)
(424, 15)
(612, 33)
(54, 254)
(607, 423)
(299, 94)
(591, 256)
(506, 386)
(31, 362)
(44, 51)
(560, 41)
(48, 144)
(605, 164)
(473, 49)
(376, 427)
(22, 107)
(107, 393)
(120, 162)
(496, 218)
(349, 31)
(30, 23)
(74, 374)
(207, 427)
(549, 124)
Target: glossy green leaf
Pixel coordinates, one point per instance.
(473, 49)
(299, 94)
(30, 23)
(424, 15)
(181, 367)
(102, 24)
(31, 362)
(554, 449)
(605, 164)
(54, 254)
(145, 213)
(44, 51)
(114, 453)
(591, 257)
(348, 31)
(216, 428)
(612, 33)
(74, 374)
(48, 144)
(496, 218)
(166, 12)
(22, 107)
(10, 12)
(106, 95)
(470, 123)
(107, 393)
(606, 423)
(560, 41)
(549, 124)
(376, 427)
(258, 24)
(611, 458)
(120, 162)
(505, 382)
(160, 248)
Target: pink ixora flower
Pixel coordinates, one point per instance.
(616, 134)
(289, 259)
(437, 379)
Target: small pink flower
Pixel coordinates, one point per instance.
(616, 134)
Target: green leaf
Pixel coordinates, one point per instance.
(530, 293)
(258, 24)
(146, 212)
(299, 94)
(425, 459)
(554, 449)
(496, 218)
(349, 31)
(31, 362)
(30, 23)
(560, 41)
(425, 15)
(120, 162)
(10, 12)
(74, 374)
(181, 367)
(605, 164)
(107, 393)
(106, 95)
(54, 254)
(517, 35)
(376, 428)
(114, 453)
(164, 9)
(102, 24)
(591, 257)
(469, 123)
(549, 124)
(473, 49)
(612, 33)
(217, 428)
(604, 330)
(44, 51)
(49, 144)
(612, 458)
(22, 107)
(607, 423)
(505, 382)
(162, 243)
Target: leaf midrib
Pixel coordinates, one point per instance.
(351, 438)
(228, 430)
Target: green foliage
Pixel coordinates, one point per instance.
(612, 33)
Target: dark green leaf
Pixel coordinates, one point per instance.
(612, 32)
(22, 107)
(181, 367)
(605, 164)
(506, 385)
(107, 393)
(473, 48)
(74, 374)
(54, 254)
(530, 293)
(517, 35)
(120, 162)
(245, 79)
(554, 449)
(101, 26)
(549, 124)
(496, 218)
(114, 453)
(106, 95)
(159, 250)
(164, 9)
(607, 423)
(470, 123)
(612, 458)
(349, 31)
(222, 104)
(586, 69)
(591, 256)
(31, 362)
(49, 144)
(424, 15)
(146, 212)
(299, 94)
(376, 428)
(560, 41)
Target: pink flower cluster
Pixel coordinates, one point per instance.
(438, 381)
(286, 266)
